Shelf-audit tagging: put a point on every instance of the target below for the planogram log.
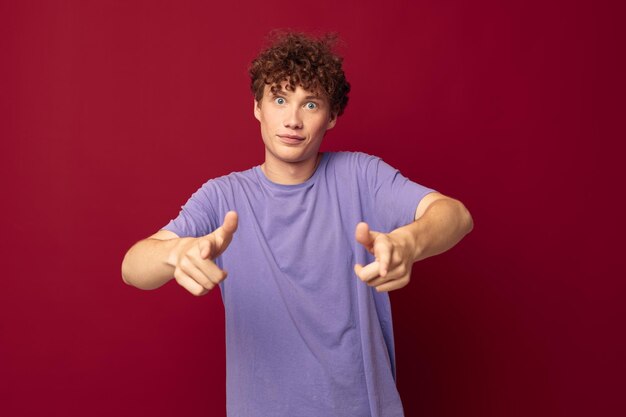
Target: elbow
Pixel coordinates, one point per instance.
(466, 219)
(124, 280)
(125, 271)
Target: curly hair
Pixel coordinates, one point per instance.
(305, 61)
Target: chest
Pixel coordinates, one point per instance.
(305, 235)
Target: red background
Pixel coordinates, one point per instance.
(113, 113)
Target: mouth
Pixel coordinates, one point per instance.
(291, 139)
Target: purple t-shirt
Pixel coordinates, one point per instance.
(304, 336)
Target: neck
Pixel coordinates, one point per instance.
(290, 173)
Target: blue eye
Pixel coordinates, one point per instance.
(311, 106)
(279, 100)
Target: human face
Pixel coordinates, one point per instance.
(293, 124)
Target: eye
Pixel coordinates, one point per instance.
(311, 105)
(279, 100)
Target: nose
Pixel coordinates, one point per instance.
(293, 119)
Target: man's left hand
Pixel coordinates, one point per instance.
(394, 258)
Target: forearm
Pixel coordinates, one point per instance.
(443, 225)
(147, 264)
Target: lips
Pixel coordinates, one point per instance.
(290, 139)
(296, 137)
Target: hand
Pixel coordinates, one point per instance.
(392, 268)
(193, 258)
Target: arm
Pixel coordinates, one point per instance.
(440, 223)
(152, 262)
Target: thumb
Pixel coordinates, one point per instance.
(224, 233)
(364, 236)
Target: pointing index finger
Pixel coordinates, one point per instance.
(368, 272)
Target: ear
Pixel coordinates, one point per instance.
(332, 121)
(257, 110)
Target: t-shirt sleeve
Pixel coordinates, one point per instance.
(197, 217)
(394, 197)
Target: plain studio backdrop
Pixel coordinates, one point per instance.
(112, 113)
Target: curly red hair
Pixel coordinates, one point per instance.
(305, 61)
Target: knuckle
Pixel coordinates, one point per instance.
(178, 275)
(185, 262)
(182, 263)
(198, 292)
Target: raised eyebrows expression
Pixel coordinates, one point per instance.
(318, 99)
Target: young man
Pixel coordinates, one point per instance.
(312, 242)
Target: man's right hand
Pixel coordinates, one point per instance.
(192, 258)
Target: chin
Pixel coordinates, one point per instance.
(292, 155)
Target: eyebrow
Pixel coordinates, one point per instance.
(284, 93)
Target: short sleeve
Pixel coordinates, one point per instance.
(394, 197)
(197, 217)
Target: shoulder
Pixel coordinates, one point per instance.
(360, 164)
(358, 168)
(220, 188)
(352, 159)
(231, 180)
